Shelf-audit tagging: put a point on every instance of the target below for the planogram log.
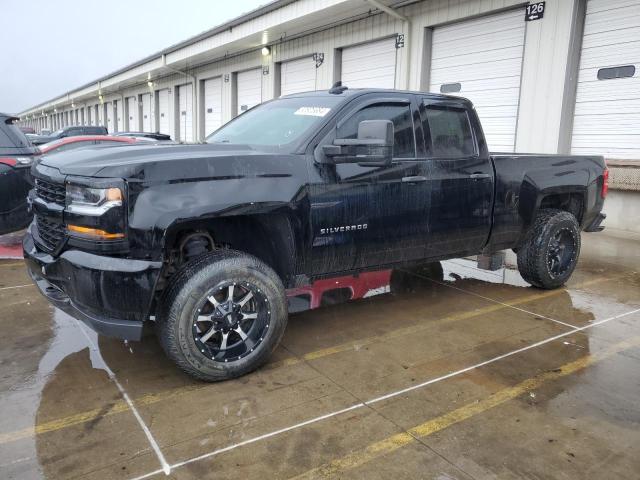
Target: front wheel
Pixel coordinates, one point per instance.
(550, 251)
(222, 315)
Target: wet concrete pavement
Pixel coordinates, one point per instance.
(474, 375)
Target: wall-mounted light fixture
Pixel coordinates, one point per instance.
(265, 51)
(73, 105)
(150, 84)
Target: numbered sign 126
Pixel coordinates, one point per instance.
(534, 11)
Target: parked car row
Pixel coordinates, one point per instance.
(19, 150)
(47, 136)
(67, 132)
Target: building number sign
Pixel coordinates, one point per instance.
(534, 11)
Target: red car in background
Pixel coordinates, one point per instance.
(83, 141)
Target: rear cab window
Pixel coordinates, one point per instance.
(12, 140)
(11, 136)
(447, 130)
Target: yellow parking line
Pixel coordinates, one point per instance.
(14, 264)
(395, 442)
(152, 398)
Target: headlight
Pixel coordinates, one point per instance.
(92, 201)
(95, 213)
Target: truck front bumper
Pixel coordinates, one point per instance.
(110, 295)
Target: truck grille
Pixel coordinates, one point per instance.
(51, 233)
(51, 192)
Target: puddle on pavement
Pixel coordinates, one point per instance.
(21, 402)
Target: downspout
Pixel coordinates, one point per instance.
(397, 15)
(194, 100)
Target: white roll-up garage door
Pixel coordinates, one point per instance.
(146, 113)
(164, 117)
(249, 88)
(110, 122)
(185, 102)
(89, 116)
(481, 60)
(370, 65)
(212, 105)
(297, 76)
(132, 115)
(101, 119)
(119, 112)
(607, 112)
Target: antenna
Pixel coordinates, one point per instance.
(337, 88)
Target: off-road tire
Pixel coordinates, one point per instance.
(189, 286)
(533, 253)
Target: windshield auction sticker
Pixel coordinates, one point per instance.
(312, 111)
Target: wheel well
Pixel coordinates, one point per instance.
(268, 237)
(569, 202)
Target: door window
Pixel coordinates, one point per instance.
(400, 114)
(450, 131)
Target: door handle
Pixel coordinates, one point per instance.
(477, 176)
(414, 179)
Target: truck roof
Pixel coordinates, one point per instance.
(352, 92)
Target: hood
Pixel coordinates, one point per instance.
(169, 162)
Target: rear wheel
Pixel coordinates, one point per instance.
(550, 252)
(222, 315)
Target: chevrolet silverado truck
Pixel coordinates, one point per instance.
(205, 239)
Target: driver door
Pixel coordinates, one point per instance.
(368, 216)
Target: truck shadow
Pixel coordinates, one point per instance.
(418, 308)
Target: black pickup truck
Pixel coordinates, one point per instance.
(204, 239)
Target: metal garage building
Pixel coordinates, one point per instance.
(564, 79)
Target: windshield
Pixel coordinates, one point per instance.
(57, 132)
(11, 136)
(278, 125)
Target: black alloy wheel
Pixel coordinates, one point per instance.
(222, 315)
(231, 321)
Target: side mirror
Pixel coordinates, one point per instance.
(373, 147)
